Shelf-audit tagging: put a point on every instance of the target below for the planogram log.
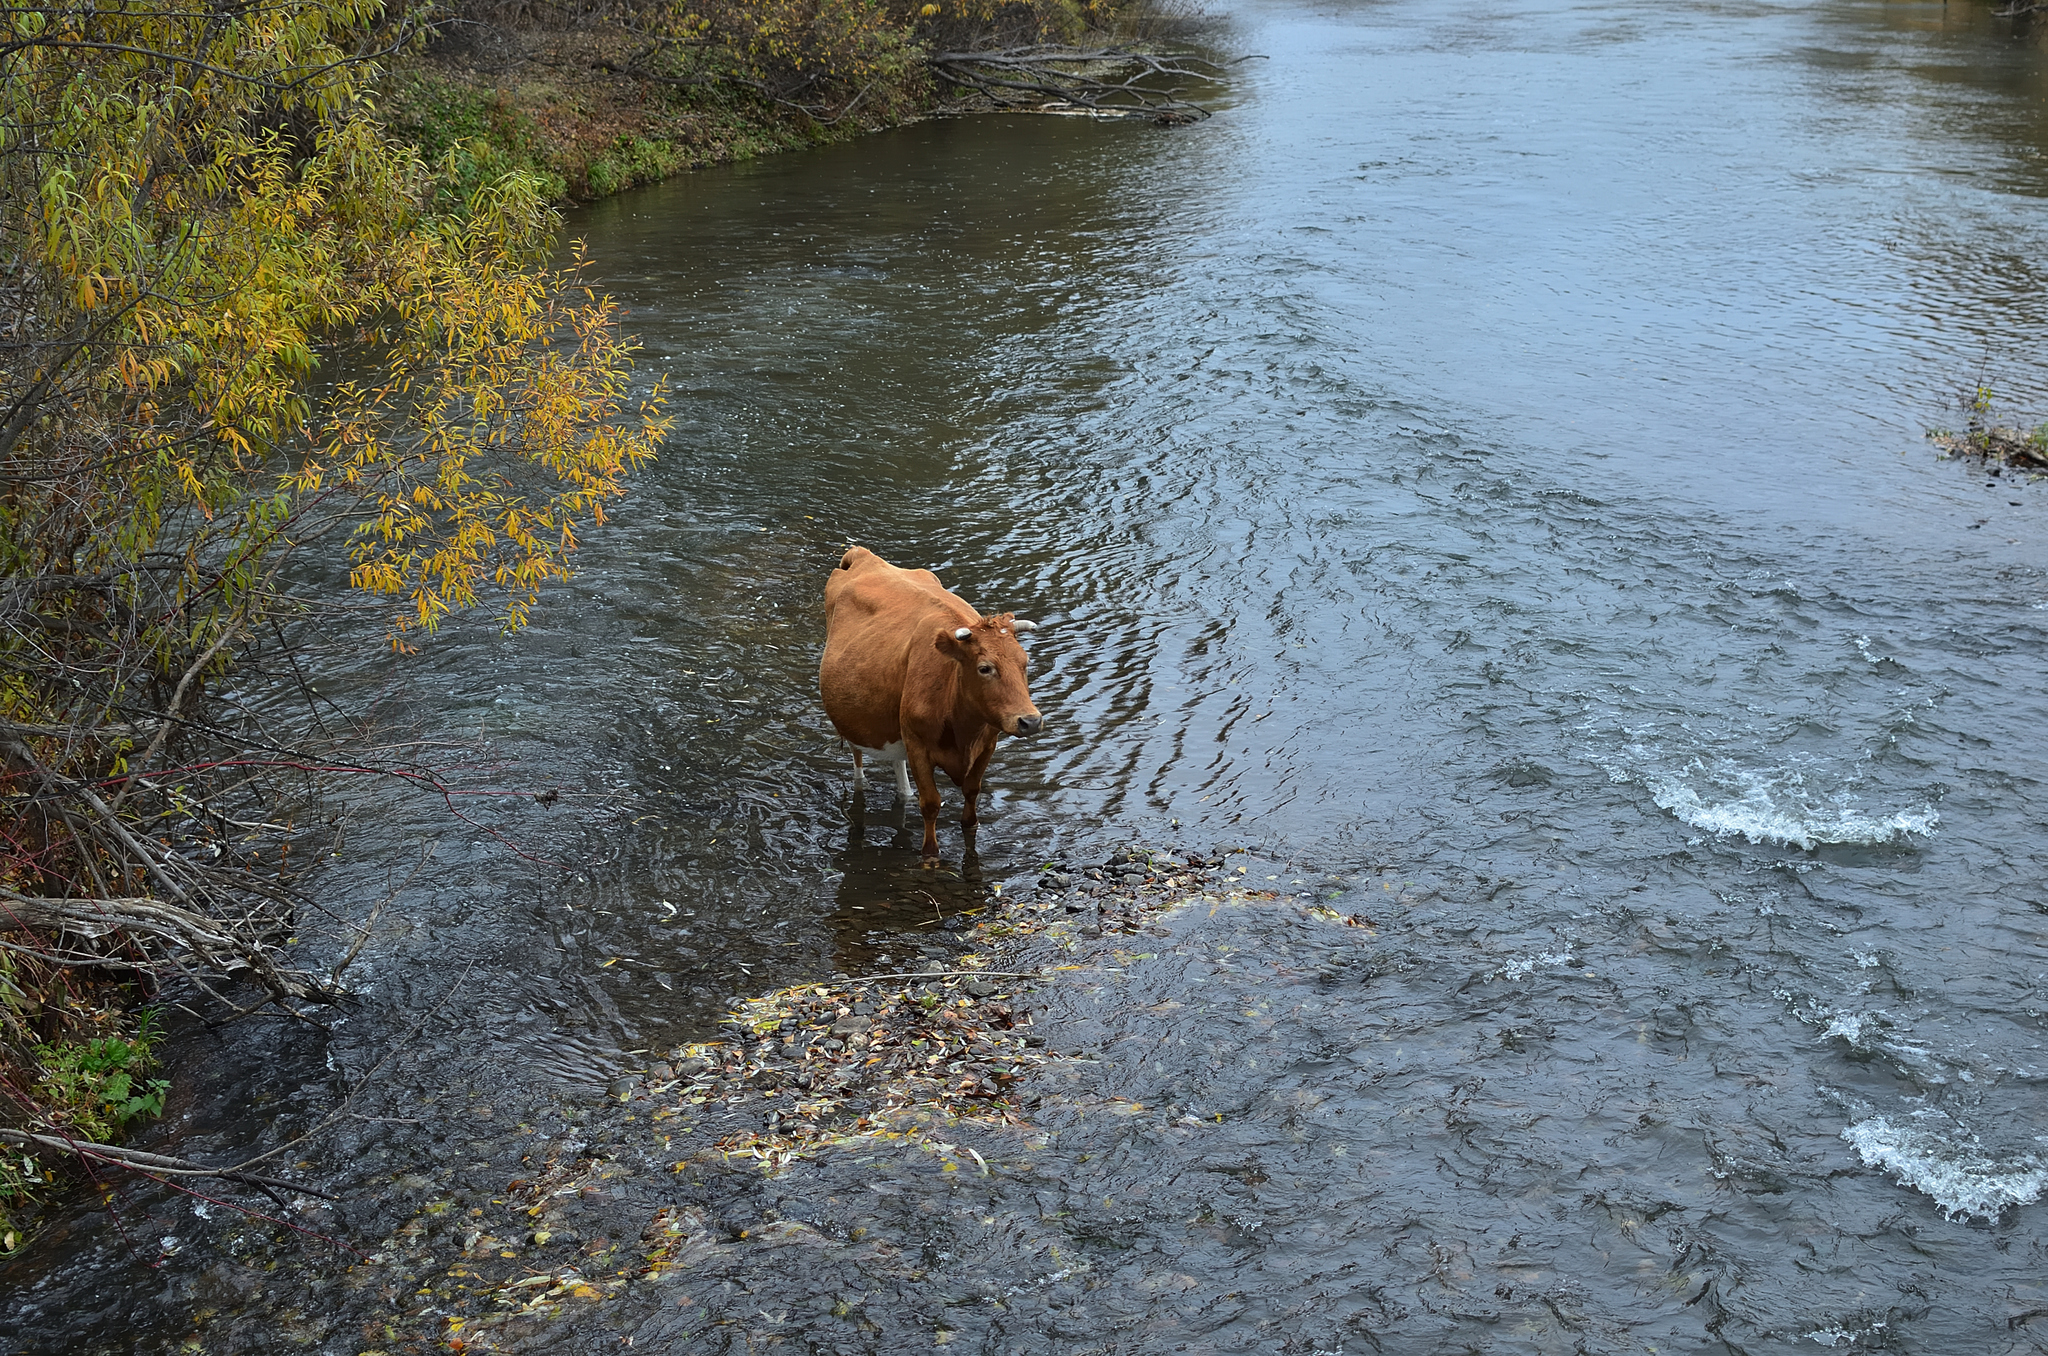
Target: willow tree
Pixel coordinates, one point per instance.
(198, 208)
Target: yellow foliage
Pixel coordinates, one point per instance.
(201, 211)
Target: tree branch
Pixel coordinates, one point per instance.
(162, 1165)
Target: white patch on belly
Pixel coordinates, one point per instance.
(890, 753)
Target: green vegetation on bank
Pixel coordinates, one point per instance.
(87, 1083)
(594, 98)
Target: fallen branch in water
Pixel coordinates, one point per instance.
(164, 933)
(1103, 79)
(161, 1165)
(955, 974)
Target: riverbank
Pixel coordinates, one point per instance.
(562, 104)
(605, 101)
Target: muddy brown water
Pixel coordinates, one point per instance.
(1480, 473)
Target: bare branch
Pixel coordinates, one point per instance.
(160, 1165)
(1099, 78)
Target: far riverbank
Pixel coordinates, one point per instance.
(599, 103)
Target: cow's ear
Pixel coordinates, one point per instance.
(953, 643)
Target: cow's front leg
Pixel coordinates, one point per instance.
(970, 791)
(927, 802)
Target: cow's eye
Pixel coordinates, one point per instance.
(988, 670)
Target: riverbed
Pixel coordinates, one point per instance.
(1474, 485)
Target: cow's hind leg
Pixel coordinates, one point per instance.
(893, 754)
(860, 776)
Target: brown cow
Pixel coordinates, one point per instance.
(916, 677)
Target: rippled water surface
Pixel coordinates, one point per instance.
(1479, 472)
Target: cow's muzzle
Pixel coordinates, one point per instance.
(1029, 725)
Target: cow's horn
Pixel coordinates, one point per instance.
(1024, 628)
(962, 634)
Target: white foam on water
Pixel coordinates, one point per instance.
(1847, 1025)
(1881, 1033)
(1839, 1336)
(1521, 967)
(1777, 805)
(1953, 1170)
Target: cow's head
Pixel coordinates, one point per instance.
(992, 672)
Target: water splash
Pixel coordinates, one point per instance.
(1954, 1171)
(1778, 805)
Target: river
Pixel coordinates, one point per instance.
(1477, 478)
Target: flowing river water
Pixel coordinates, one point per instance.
(1476, 479)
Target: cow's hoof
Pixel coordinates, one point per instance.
(930, 863)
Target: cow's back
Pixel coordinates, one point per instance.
(879, 620)
(865, 585)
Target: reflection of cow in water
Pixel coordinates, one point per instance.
(916, 677)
